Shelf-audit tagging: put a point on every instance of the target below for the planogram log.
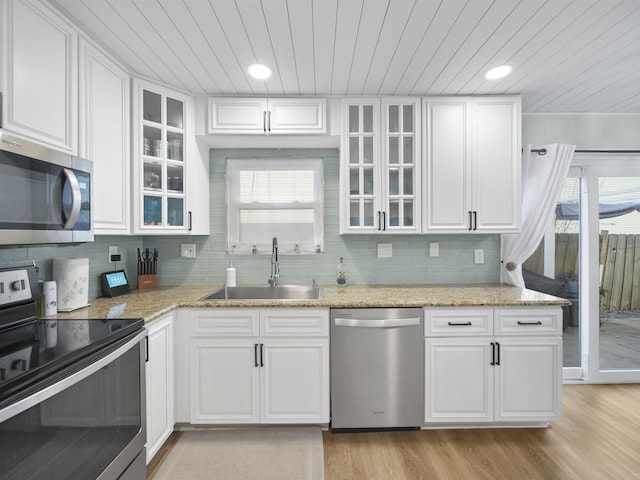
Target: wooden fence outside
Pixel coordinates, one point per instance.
(619, 267)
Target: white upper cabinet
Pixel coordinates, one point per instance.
(472, 166)
(170, 175)
(39, 74)
(104, 138)
(255, 115)
(380, 180)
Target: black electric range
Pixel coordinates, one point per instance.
(34, 351)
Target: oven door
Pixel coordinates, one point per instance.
(88, 423)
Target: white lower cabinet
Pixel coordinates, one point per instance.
(259, 366)
(294, 380)
(159, 383)
(486, 365)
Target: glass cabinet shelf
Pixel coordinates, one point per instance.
(162, 159)
(380, 165)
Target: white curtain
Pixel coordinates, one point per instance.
(542, 180)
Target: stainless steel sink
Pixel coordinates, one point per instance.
(279, 292)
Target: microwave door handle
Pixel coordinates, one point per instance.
(76, 199)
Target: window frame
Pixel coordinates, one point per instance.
(234, 206)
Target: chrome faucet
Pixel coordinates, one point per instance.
(275, 267)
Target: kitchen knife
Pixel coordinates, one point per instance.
(154, 268)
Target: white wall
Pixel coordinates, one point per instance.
(592, 131)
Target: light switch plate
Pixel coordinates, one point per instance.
(188, 250)
(434, 249)
(478, 256)
(385, 250)
(113, 250)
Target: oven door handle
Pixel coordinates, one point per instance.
(49, 391)
(384, 323)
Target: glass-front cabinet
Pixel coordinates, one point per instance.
(380, 189)
(160, 152)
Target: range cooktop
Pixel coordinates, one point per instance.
(39, 348)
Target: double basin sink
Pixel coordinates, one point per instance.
(279, 292)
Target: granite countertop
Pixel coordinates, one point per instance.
(153, 303)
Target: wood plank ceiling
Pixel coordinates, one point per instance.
(568, 55)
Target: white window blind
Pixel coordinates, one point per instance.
(281, 198)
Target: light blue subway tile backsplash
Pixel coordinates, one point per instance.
(410, 263)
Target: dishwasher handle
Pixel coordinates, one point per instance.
(382, 323)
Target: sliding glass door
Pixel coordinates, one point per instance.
(592, 254)
(615, 319)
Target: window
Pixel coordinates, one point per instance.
(281, 198)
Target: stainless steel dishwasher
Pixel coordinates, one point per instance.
(377, 368)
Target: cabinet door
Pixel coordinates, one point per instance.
(104, 138)
(294, 381)
(447, 174)
(238, 115)
(225, 380)
(496, 164)
(528, 379)
(162, 132)
(160, 384)
(401, 160)
(360, 189)
(296, 116)
(459, 380)
(40, 86)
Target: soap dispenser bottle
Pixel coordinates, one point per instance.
(231, 275)
(341, 274)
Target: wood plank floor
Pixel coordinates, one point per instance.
(598, 438)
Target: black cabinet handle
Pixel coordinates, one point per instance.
(255, 354)
(498, 355)
(262, 354)
(459, 324)
(384, 221)
(264, 121)
(379, 221)
(530, 323)
(475, 220)
(146, 349)
(190, 220)
(470, 220)
(493, 354)
(269, 121)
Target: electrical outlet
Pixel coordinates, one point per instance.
(434, 249)
(188, 250)
(478, 256)
(113, 250)
(385, 250)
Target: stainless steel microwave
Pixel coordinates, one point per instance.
(45, 195)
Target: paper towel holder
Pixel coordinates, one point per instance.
(114, 283)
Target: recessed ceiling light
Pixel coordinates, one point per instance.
(259, 71)
(498, 72)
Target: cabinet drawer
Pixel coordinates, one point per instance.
(224, 323)
(537, 320)
(294, 322)
(455, 321)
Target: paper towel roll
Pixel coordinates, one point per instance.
(49, 292)
(72, 277)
